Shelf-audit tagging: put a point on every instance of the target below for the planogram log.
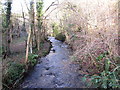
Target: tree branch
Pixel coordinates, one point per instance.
(52, 4)
(26, 5)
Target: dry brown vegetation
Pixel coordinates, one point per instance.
(92, 30)
(91, 27)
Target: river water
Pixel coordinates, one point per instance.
(55, 70)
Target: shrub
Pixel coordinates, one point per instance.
(107, 78)
(41, 44)
(13, 73)
(44, 53)
(32, 59)
(55, 29)
(60, 37)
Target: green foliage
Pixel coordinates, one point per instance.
(101, 56)
(6, 14)
(117, 60)
(41, 44)
(107, 78)
(32, 59)
(14, 72)
(57, 34)
(4, 21)
(35, 50)
(1, 50)
(55, 29)
(39, 8)
(107, 64)
(44, 53)
(60, 37)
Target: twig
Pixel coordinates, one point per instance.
(93, 59)
(21, 76)
(6, 85)
(26, 5)
(52, 4)
(17, 81)
(49, 13)
(114, 73)
(49, 7)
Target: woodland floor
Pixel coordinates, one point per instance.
(17, 48)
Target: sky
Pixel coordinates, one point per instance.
(16, 5)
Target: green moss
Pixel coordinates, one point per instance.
(60, 37)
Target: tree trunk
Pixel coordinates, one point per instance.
(27, 48)
(7, 29)
(8, 42)
(119, 28)
(38, 40)
(31, 45)
(11, 33)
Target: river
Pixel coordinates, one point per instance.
(56, 70)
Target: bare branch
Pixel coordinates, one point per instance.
(22, 7)
(26, 5)
(52, 4)
(50, 13)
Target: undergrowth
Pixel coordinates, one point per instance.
(108, 78)
(32, 59)
(13, 73)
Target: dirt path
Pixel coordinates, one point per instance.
(55, 70)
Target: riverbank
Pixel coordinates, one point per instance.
(17, 69)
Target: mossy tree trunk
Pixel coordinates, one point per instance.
(39, 7)
(6, 28)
